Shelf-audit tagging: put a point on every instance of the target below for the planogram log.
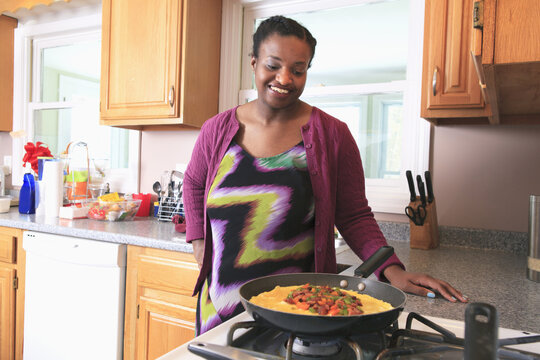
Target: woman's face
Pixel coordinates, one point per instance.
(281, 70)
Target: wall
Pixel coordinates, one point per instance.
(482, 175)
(162, 150)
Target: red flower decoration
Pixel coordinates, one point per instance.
(33, 152)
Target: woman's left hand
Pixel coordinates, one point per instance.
(421, 284)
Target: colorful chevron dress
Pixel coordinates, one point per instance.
(261, 213)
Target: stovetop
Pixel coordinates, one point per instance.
(260, 342)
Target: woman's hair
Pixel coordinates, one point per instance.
(285, 27)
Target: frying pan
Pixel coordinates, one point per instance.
(318, 325)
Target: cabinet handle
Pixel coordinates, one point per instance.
(435, 82)
(171, 96)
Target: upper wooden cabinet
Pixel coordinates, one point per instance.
(7, 26)
(508, 59)
(160, 62)
(450, 89)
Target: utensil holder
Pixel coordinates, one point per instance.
(425, 236)
(168, 207)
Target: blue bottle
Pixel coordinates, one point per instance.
(27, 195)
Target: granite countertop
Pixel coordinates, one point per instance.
(484, 275)
(141, 231)
(489, 276)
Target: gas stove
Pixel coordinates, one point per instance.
(417, 338)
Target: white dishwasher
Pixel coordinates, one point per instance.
(74, 298)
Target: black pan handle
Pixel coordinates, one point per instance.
(374, 261)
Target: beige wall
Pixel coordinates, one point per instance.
(482, 175)
(162, 150)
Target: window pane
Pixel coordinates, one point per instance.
(71, 72)
(57, 127)
(375, 122)
(358, 44)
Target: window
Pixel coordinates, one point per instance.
(366, 72)
(59, 101)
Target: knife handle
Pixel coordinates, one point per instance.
(421, 189)
(429, 186)
(410, 180)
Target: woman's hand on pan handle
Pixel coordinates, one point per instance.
(198, 251)
(421, 284)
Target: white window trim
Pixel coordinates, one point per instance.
(122, 180)
(389, 196)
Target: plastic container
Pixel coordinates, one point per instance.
(27, 195)
(112, 210)
(144, 209)
(5, 202)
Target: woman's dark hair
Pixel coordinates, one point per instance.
(285, 27)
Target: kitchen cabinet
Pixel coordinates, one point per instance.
(450, 88)
(160, 63)
(7, 26)
(508, 59)
(12, 264)
(159, 310)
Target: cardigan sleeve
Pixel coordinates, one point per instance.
(354, 218)
(194, 185)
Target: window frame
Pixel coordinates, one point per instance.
(384, 195)
(30, 37)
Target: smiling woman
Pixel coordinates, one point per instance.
(366, 73)
(58, 101)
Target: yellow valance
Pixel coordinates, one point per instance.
(14, 5)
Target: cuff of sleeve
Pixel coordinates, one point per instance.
(393, 260)
(194, 232)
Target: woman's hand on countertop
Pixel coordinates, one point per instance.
(198, 251)
(420, 284)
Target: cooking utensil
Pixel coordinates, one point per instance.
(327, 325)
(429, 186)
(157, 188)
(421, 189)
(410, 180)
(417, 216)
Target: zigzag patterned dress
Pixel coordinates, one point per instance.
(261, 213)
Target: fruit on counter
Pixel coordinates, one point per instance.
(113, 210)
(110, 197)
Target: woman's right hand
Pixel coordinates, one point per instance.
(198, 251)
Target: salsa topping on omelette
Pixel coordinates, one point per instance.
(319, 300)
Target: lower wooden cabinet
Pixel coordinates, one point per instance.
(12, 264)
(160, 311)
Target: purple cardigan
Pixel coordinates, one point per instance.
(337, 178)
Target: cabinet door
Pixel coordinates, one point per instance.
(7, 313)
(159, 310)
(450, 86)
(164, 324)
(141, 55)
(7, 25)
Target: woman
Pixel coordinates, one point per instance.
(268, 180)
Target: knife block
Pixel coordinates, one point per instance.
(425, 236)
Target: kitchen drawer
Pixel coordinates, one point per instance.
(8, 247)
(167, 270)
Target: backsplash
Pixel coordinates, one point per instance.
(510, 241)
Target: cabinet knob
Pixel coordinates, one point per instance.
(171, 96)
(435, 81)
